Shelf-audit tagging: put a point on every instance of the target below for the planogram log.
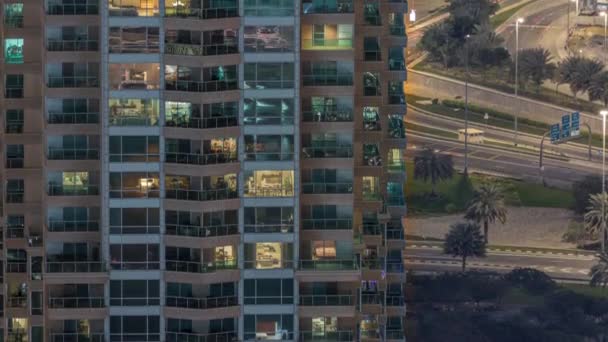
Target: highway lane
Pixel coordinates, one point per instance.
(501, 162)
(431, 258)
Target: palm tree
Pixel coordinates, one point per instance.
(584, 71)
(433, 166)
(464, 240)
(536, 66)
(487, 206)
(593, 216)
(599, 272)
(598, 89)
(565, 73)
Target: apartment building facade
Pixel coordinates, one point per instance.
(202, 170)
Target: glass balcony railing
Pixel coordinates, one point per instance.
(201, 159)
(394, 334)
(73, 118)
(327, 224)
(135, 265)
(60, 226)
(372, 196)
(327, 336)
(337, 114)
(134, 229)
(72, 45)
(197, 267)
(396, 166)
(91, 8)
(202, 303)
(72, 81)
(269, 228)
(16, 266)
(327, 44)
(201, 195)
(345, 79)
(329, 265)
(72, 154)
(203, 232)
(269, 156)
(77, 337)
(335, 151)
(75, 267)
(212, 122)
(201, 13)
(200, 86)
(16, 302)
(327, 300)
(227, 336)
(395, 301)
(76, 302)
(201, 50)
(371, 229)
(327, 6)
(372, 298)
(327, 188)
(67, 190)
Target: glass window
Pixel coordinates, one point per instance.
(269, 8)
(269, 38)
(133, 112)
(134, 185)
(13, 50)
(141, 76)
(268, 111)
(13, 87)
(72, 111)
(133, 40)
(327, 37)
(15, 190)
(134, 149)
(13, 15)
(271, 183)
(14, 121)
(133, 8)
(371, 84)
(269, 75)
(134, 257)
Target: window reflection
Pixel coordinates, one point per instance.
(268, 38)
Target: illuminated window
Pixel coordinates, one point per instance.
(13, 15)
(13, 50)
(269, 183)
(268, 255)
(323, 250)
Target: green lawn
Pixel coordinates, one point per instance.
(500, 18)
(455, 193)
(596, 292)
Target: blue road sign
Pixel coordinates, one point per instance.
(566, 126)
(555, 133)
(575, 122)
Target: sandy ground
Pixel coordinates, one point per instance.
(531, 227)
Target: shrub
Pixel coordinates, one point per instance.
(534, 281)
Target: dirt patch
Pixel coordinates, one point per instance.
(530, 227)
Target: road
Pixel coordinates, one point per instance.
(544, 20)
(572, 151)
(430, 257)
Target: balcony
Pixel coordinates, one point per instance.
(201, 159)
(202, 303)
(17, 335)
(75, 267)
(329, 265)
(59, 226)
(72, 81)
(327, 7)
(73, 118)
(197, 267)
(328, 151)
(16, 301)
(226, 336)
(72, 45)
(201, 232)
(72, 154)
(76, 302)
(68, 190)
(201, 195)
(327, 336)
(327, 224)
(181, 11)
(16, 266)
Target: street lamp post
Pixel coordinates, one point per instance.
(605, 15)
(517, 22)
(466, 106)
(603, 113)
